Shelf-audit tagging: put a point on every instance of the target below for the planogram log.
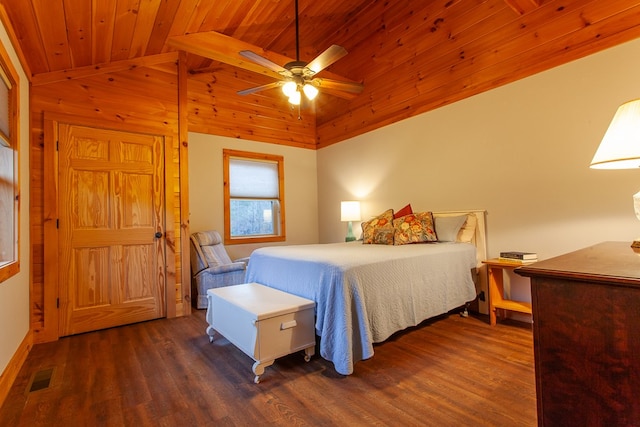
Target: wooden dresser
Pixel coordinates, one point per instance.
(586, 329)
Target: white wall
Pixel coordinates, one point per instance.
(14, 292)
(206, 188)
(521, 152)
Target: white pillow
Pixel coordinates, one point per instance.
(468, 230)
(447, 227)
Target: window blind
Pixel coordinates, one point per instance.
(254, 179)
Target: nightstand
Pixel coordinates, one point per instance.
(496, 268)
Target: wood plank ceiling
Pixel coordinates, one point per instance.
(412, 56)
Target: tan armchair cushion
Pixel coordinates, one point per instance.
(211, 266)
(208, 238)
(209, 247)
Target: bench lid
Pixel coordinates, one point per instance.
(262, 301)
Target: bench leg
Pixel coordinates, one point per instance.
(211, 332)
(308, 352)
(258, 369)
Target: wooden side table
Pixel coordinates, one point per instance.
(496, 268)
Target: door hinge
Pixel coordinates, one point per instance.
(57, 223)
(57, 302)
(57, 143)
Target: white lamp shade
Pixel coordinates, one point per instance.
(295, 98)
(289, 88)
(350, 211)
(620, 147)
(310, 91)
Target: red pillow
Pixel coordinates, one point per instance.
(404, 211)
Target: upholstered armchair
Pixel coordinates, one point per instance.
(211, 266)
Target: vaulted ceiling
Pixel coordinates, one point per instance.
(412, 56)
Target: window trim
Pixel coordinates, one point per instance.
(9, 74)
(226, 155)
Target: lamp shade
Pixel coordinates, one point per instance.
(350, 211)
(620, 147)
(295, 98)
(310, 91)
(289, 88)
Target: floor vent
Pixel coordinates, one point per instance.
(40, 380)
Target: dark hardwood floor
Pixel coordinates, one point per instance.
(451, 371)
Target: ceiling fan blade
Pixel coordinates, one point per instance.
(326, 58)
(351, 87)
(225, 49)
(260, 88)
(261, 60)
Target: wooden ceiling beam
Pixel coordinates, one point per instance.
(112, 67)
(225, 49)
(523, 6)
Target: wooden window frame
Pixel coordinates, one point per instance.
(246, 155)
(9, 76)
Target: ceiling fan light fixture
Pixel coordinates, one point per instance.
(310, 91)
(294, 98)
(289, 88)
(298, 76)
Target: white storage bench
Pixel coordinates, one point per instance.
(263, 322)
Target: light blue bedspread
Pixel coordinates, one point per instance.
(365, 293)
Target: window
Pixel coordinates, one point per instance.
(253, 197)
(9, 196)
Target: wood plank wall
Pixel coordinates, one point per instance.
(215, 108)
(145, 97)
(139, 100)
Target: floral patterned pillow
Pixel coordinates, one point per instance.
(379, 230)
(414, 228)
(383, 235)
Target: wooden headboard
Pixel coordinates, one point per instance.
(480, 236)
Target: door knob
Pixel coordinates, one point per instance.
(158, 234)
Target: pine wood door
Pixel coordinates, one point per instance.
(111, 213)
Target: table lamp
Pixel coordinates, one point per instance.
(620, 146)
(349, 211)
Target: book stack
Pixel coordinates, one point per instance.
(521, 257)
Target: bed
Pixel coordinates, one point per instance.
(366, 292)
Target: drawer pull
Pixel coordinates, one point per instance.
(288, 325)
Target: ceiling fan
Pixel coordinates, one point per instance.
(299, 76)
